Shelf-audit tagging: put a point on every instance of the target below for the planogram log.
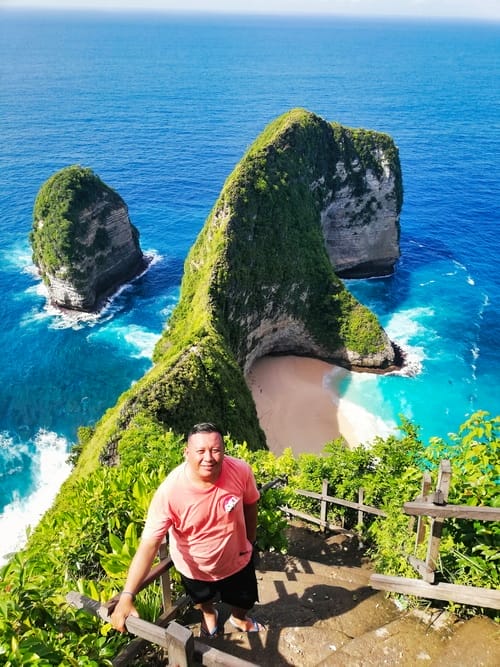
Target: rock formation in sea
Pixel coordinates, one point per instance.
(83, 242)
(259, 279)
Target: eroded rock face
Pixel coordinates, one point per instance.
(361, 225)
(310, 201)
(83, 241)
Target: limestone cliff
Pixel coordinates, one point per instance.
(269, 281)
(83, 242)
(361, 202)
(259, 280)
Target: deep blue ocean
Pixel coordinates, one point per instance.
(162, 107)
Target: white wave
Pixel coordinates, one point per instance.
(18, 257)
(407, 324)
(459, 265)
(67, 319)
(142, 340)
(364, 426)
(484, 304)
(409, 330)
(471, 280)
(50, 470)
(413, 361)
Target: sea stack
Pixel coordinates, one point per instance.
(82, 239)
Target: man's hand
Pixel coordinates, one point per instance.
(140, 566)
(124, 608)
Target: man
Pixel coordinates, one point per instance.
(208, 505)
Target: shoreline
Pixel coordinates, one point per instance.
(298, 405)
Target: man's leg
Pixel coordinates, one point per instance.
(240, 620)
(202, 594)
(240, 592)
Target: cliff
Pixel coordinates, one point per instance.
(259, 281)
(361, 199)
(83, 242)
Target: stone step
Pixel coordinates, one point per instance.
(291, 566)
(413, 642)
(307, 617)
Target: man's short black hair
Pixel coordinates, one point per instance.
(204, 427)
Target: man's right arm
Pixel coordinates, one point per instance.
(139, 568)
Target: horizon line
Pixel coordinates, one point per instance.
(74, 9)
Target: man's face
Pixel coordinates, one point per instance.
(204, 453)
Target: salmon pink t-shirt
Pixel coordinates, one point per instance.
(206, 527)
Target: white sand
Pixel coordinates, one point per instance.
(298, 405)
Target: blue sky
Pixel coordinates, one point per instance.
(478, 9)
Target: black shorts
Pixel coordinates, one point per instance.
(238, 590)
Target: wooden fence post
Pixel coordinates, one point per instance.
(166, 593)
(424, 491)
(361, 497)
(180, 645)
(441, 496)
(324, 505)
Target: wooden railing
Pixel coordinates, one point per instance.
(435, 507)
(432, 505)
(325, 500)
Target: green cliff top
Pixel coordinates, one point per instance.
(57, 224)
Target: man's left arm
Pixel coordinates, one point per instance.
(250, 512)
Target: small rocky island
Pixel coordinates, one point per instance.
(83, 241)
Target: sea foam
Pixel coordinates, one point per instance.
(50, 469)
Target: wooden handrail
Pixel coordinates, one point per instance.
(479, 597)
(478, 512)
(340, 501)
(436, 508)
(177, 639)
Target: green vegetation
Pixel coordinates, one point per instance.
(86, 541)
(58, 227)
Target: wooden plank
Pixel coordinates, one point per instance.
(138, 644)
(312, 519)
(361, 496)
(181, 645)
(150, 632)
(477, 597)
(155, 572)
(94, 607)
(166, 594)
(422, 568)
(339, 501)
(273, 482)
(480, 513)
(300, 515)
(212, 657)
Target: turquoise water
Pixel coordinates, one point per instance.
(162, 108)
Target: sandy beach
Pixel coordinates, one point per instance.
(297, 404)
